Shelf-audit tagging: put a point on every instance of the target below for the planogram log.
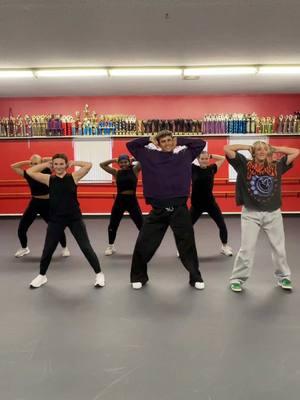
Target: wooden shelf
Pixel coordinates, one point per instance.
(88, 137)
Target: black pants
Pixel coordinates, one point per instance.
(35, 207)
(213, 210)
(151, 235)
(78, 230)
(124, 202)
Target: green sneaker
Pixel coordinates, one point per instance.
(236, 287)
(285, 284)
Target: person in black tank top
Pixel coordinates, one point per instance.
(202, 197)
(64, 212)
(39, 204)
(126, 180)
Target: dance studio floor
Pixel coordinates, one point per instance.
(69, 341)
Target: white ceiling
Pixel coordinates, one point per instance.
(59, 33)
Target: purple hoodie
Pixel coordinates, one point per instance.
(166, 175)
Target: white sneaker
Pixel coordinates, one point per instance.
(177, 253)
(226, 250)
(136, 285)
(22, 252)
(39, 281)
(199, 285)
(65, 252)
(100, 280)
(110, 250)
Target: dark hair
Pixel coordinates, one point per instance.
(123, 157)
(60, 155)
(162, 134)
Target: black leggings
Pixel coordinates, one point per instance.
(35, 207)
(213, 210)
(124, 202)
(78, 230)
(151, 235)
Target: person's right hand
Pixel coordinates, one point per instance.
(154, 141)
(49, 164)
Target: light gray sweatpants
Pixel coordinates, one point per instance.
(252, 222)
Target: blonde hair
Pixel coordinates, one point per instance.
(36, 157)
(260, 143)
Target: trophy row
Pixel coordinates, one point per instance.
(250, 123)
(91, 124)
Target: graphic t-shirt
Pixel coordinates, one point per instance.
(202, 184)
(259, 186)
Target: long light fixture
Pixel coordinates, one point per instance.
(279, 69)
(17, 73)
(185, 72)
(74, 72)
(228, 70)
(134, 72)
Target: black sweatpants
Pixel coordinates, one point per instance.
(78, 230)
(35, 207)
(124, 202)
(151, 235)
(214, 211)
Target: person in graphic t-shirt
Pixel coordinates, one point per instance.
(64, 212)
(126, 180)
(39, 204)
(202, 197)
(258, 190)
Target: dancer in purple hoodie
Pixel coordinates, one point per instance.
(166, 163)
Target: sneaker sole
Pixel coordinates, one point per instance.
(37, 287)
(25, 254)
(285, 288)
(227, 255)
(97, 286)
(236, 290)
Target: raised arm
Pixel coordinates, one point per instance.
(105, 165)
(291, 152)
(194, 145)
(136, 166)
(18, 166)
(231, 149)
(136, 146)
(84, 168)
(35, 172)
(219, 160)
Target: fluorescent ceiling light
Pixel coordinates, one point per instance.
(71, 72)
(204, 71)
(283, 70)
(145, 72)
(18, 73)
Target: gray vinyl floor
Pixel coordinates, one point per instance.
(168, 341)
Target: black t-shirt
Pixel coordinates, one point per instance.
(202, 184)
(126, 180)
(259, 186)
(37, 188)
(63, 197)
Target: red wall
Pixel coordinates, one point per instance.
(155, 106)
(98, 198)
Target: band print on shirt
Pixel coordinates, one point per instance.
(262, 181)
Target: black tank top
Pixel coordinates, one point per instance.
(63, 197)
(37, 188)
(126, 180)
(202, 184)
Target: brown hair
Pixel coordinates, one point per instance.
(162, 134)
(60, 155)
